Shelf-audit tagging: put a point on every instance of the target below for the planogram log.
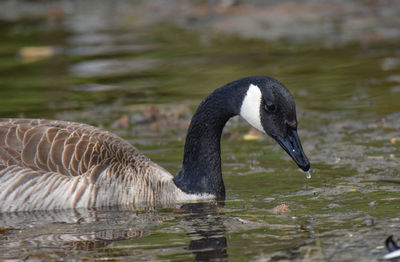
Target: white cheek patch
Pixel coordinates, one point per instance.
(250, 109)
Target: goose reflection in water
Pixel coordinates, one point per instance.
(110, 232)
(46, 233)
(208, 241)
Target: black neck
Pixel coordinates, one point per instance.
(201, 169)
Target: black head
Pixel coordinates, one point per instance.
(269, 107)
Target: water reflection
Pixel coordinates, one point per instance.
(98, 230)
(49, 216)
(46, 232)
(111, 67)
(208, 241)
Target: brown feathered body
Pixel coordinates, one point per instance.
(48, 164)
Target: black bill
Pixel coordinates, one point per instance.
(292, 145)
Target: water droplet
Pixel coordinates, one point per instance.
(308, 175)
(293, 150)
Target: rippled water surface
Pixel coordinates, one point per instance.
(117, 65)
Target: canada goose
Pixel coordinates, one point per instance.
(392, 247)
(46, 164)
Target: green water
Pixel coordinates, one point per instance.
(347, 97)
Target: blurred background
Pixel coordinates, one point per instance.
(140, 68)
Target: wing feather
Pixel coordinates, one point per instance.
(42, 153)
(12, 140)
(58, 146)
(48, 164)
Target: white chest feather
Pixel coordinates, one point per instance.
(250, 109)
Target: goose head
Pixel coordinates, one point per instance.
(261, 100)
(269, 107)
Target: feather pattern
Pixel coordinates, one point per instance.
(47, 164)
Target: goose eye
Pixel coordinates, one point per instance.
(269, 106)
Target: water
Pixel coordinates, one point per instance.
(141, 77)
(308, 174)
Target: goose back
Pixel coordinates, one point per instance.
(48, 164)
(68, 148)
